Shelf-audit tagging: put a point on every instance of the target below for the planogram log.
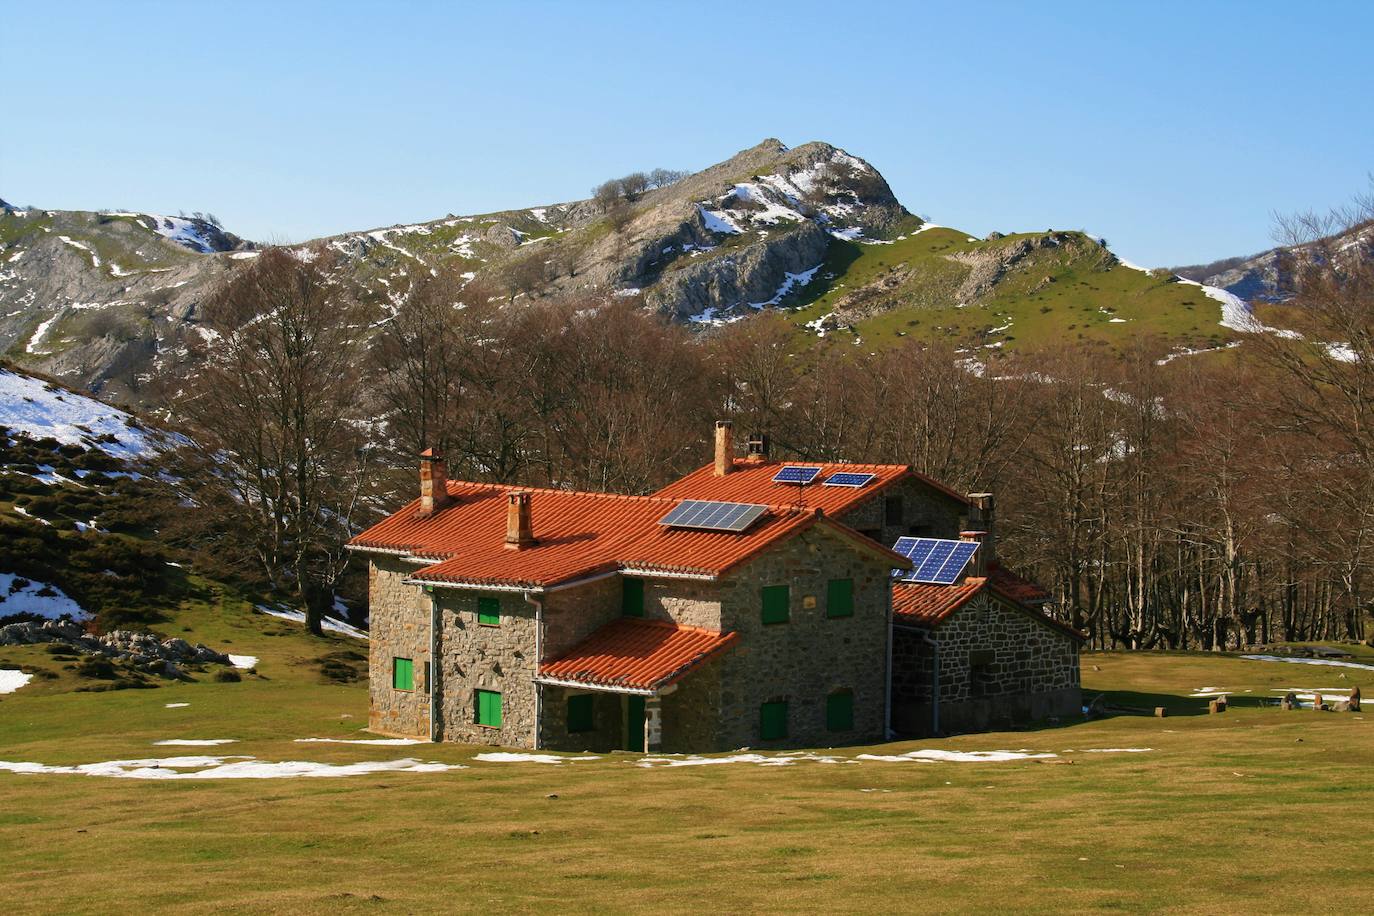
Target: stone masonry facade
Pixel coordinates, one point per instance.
(801, 662)
(998, 665)
(906, 509)
(399, 628)
(717, 706)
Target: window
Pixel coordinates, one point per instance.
(489, 612)
(773, 720)
(777, 604)
(632, 597)
(488, 704)
(581, 713)
(892, 510)
(402, 674)
(839, 711)
(839, 598)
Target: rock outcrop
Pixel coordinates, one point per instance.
(144, 650)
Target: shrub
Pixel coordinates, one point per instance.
(227, 676)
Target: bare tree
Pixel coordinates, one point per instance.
(276, 403)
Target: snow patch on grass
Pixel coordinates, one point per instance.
(243, 661)
(931, 756)
(194, 742)
(234, 767)
(1326, 662)
(12, 679)
(381, 742)
(513, 757)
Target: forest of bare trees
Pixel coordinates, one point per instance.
(1208, 502)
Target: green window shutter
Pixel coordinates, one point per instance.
(403, 674)
(839, 711)
(582, 713)
(488, 708)
(489, 612)
(777, 603)
(632, 597)
(773, 720)
(839, 598)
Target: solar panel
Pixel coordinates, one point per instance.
(849, 479)
(794, 473)
(709, 515)
(934, 561)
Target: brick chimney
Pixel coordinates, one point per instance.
(725, 447)
(434, 495)
(758, 449)
(977, 568)
(519, 532)
(981, 517)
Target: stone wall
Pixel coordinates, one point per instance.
(998, 665)
(691, 714)
(803, 660)
(399, 628)
(573, 614)
(608, 712)
(474, 656)
(925, 512)
(685, 602)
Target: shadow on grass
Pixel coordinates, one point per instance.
(1176, 705)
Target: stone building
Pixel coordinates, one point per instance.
(729, 609)
(979, 652)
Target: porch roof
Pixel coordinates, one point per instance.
(632, 655)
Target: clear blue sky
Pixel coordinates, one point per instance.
(1173, 129)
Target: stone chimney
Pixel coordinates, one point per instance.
(434, 496)
(725, 447)
(981, 517)
(758, 449)
(977, 568)
(519, 532)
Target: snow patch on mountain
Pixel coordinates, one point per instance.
(95, 258)
(24, 596)
(37, 409)
(187, 233)
(790, 282)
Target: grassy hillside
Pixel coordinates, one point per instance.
(1258, 800)
(1071, 290)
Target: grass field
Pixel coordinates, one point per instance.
(1256, 810)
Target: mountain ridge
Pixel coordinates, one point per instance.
(110, 301)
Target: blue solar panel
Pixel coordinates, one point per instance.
(934, 561)
(797, 474)
(710, 515)
(849, 479)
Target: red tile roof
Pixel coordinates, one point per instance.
(636, 654)
(752, 482)
(1016, 588)
(577, 534)
(927, 605)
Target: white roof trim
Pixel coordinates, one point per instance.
(664, 574)
(600, 688)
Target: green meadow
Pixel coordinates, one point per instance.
(1256, 810)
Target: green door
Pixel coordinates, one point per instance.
(634, 723)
